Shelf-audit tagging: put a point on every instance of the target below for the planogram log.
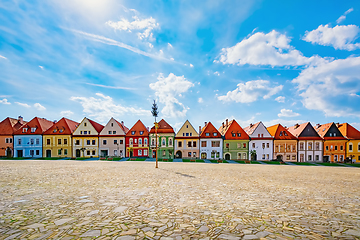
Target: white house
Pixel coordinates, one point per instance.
(261, 141)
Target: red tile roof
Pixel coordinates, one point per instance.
(297, 129)
(209, 128)
(251, 128)
(40, 125)
(164, 127)
(233, 127)
(63, 127)
(137, 128)
(10, 125)
(98, 127)
(349, 131)
(280, 133)
(123, 127)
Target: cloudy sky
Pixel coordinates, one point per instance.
(271, 61)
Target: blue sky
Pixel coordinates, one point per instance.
(273, 61)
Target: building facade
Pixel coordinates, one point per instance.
(86, 139)
(137, 141)
(57, 140)
(285, 144)
(28, 139)
(112, 139)
(334, 142)
(165, 141)
(7, 128)
(235, 141)
(187, 142)
(211, 142)
(310, 144)
(353, 143)
(261, 142)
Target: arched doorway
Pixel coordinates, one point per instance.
(227, 156)
(154, 154)
(178, 154)
(8, 152)
(48, 153)
(77, 153)
(203, 155)
(279, 157)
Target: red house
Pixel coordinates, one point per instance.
(137, 141)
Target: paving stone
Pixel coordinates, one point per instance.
(91, 233)
(203, 229)
(250, 237)
(120, 209)
(62, 221)
(353, 232)
(125, 238)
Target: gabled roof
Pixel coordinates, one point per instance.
(10, 125)
(251, 128)
(41, 125)
(164, 127)
(63, 127)
(209, 128)
(231, 127)
(349, 131)
(280, 133)
(298, 131)
(98, 127)
(137, 128)
(123, 127)
(187, 128)
(323, 129)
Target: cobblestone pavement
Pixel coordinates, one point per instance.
(133, 200)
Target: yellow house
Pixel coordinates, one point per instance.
(86, 139)
(353, 144)
(187, 142)
(57, 139)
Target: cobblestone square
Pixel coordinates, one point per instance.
(133, 200)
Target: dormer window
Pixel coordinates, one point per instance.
(285, 133)
(112, 124)
(330, 134)
(141, 132)
(25, 130)
(81, 132)
(190, 134)
(89, 132)
(334, 134)
(207, 134)
(109, 132)
(239, 134)
(233, 134)
(33, 129)
(281, 133)
(61, 130)
(132, 132)
(85, 132)
(55, 130)
(114, 132)
(215, 134)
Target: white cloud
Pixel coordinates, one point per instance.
(2, 57)
(66, 113)
(170, 46)
(250, 91)
(5, 101)
(280, 99)
(191, 65)
(39, 107)
(217, 73)
(23, 104)
(166, 88)
(331, 87)
(200, 100)
(265, 49)
(41, 67)
(287, 113)
(103, 108)
(343, 17)
(339, 37)
(143, 26)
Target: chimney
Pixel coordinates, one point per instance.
(296, 126)
(251, 125)
(21, 120)
(147, 129)
(122, 123)
(337, 124)
(205, 124)
(199, 130)
(55, 121)
(227, 120)
(223, 125)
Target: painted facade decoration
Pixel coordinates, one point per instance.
(310, 144)
(334, 142)
(261, 142)
(112, 139)
(28, 139)
(137, 141)
(211, 142)
(235, 141)
(165, 141)
(57, 140)
(285, 144)
(7, 128)
(86, 139)
(187, 142)
(353, 144)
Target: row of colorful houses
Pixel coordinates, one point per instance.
(331, 142)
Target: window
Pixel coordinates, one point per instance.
(152, 142)
(281, 133)
(317, 157)
(85, 132)
(350, 147)
(217, 154)
(287, 157)
(187, 126)
(55, 130)
(244, 145)
(145, 141)
(341, 148)
(109, 132)
(203, 143)
(104, 142)
(77, 142)
(88, 152)
(359, 147)
(93, 142)
(267, 145)
(207, 134)
(239, 155)
(164, 153)
(335, 148)
(121, 141)
(293, 157)
(267, 156)
(233, 134)
(32, 152)
(37, 152)
(310, 146)
(189, 144)
(87, 142)
(309, 158)
(301, 146)
(141, 132)
(135, 140)
(85, 126)
(89, 132)
(263, 156)
(215, 143)
(48, 141)
(7, 140)
(259, 135)
(239, 134)
(253, 145)
(163, 142)
(327, 148)
(227, 145)
(194, 154)
(330, 134)
(81, 132)
(183, 134)
(33, 130)
(170, 142)
(65, 141)
(59, 141)
(335, 158)
(145, 151)
(93, 152)
(262, 135)
(65, 151)
(132, 132)
(263, 145)
(190, 134)
(114, 132)
(334, 134)
(180, 144)
(140, 152)
(239, 145)
(59, 152)
(25, 130)
(285, 134)
(140, 141)
(112, 124)
(317, 146)
(61, 130)
(215, 134)
(37, 141)
(189, 154)
(187, 134)
(301, 157)
(115, 142)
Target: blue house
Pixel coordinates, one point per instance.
(28, 139)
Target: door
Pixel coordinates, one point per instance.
(77, 153)
(279, 157)
(178, 154)
(48, 153)
(227, 156)
(8, 153)
(20, 153)
(104, 153)
(154, 154)
(131, 153)
(203, 155)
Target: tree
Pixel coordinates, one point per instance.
(154, 110)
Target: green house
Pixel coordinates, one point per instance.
(165, 141)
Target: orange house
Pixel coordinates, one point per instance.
(285, 144)
(353, 144)
(7, 128)
(334, 142)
